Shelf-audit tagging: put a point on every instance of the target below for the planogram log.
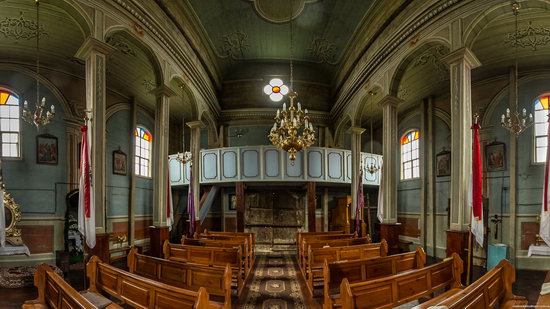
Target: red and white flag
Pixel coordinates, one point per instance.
(476, 188)
(2, 220)
(169, 203)
(86, 207)
(544, 231)
(380, 211)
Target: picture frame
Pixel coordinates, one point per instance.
(443, 163)
(46, 149)
(232, 202)
(495, 157)
(120, 165)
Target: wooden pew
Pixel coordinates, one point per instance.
(300, 235)
(316, 243)
(140, 292)
(226, 243)
(54, 292)
(209, 256)
(216, 281)
(395, 290)
(306, 238)
(367, 269)
(492, 290)
(249, 234)
(242, 238)
(317, 256)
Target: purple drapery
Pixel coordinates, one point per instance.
(191, 204)
(360, 203)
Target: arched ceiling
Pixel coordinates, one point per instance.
(241, 31)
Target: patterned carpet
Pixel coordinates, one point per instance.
(275, 285)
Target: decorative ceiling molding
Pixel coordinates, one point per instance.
(278, 11)
(121, 45)
(433, 57)
(234, 45)
(148, 84)
(529, 37)
(20, 28)
(262, 114)
(323, 50)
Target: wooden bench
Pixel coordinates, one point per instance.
(317, 257)
(216, 281)
(249, 234)
(492, 290)
(209, 256)
(140, 292)
(300, 235)
(54, 292)
(367, 269)
(317, 243)
(395, 290)
(306, 238)
(242, 238)
(229, 243)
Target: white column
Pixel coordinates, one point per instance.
(160, 153)
(94, 53)
(389, 152)
(461, 62)
(355, 166)
(195, 147)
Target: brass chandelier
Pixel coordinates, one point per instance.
(292, 130)
(37, 118)
(514, 121)
(371, 168)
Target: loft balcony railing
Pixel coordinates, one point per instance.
(269, 164)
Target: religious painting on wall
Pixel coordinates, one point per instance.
(46, 149)
(443, 163)
(495, 157)
(232, 202)
(119, 162)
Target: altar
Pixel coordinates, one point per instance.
(15, 250)
(538, 250)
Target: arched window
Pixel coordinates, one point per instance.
(143, 151)
(9, 124)
(410, 162)
(541, 127)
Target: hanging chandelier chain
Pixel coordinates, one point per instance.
(37, 52)
(291, 51)
(515, 9)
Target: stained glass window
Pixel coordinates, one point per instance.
(541, 127)
(410, 154)
(9, 123)
(144, 141)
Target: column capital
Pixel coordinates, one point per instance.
(162, 90)
(390, 100)
(462, 54)
(93, 45)
(195, 124)
(356, 130)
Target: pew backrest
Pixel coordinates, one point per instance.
(216, 281)
(320, 243)
(316, 256)
(140, 292)
(224, 243)
(300, 235)
(54, 292)
(395, 290)
(368, 269)
(492, 290)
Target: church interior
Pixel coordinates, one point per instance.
(274, 154)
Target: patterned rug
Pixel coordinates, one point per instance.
(20, 276)
(275, 285)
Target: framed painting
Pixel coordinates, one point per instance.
(495, 157)
(443, 163)
(46, 149)
(232, 202)
(119, 162)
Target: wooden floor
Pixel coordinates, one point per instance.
(528, 283)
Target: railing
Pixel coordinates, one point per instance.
(269, 164)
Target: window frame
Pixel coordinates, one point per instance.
(535, 136)
(401, 154)
(136, 156)
(19, 133)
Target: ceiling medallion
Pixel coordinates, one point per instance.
(276, 89)
(277, 11)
